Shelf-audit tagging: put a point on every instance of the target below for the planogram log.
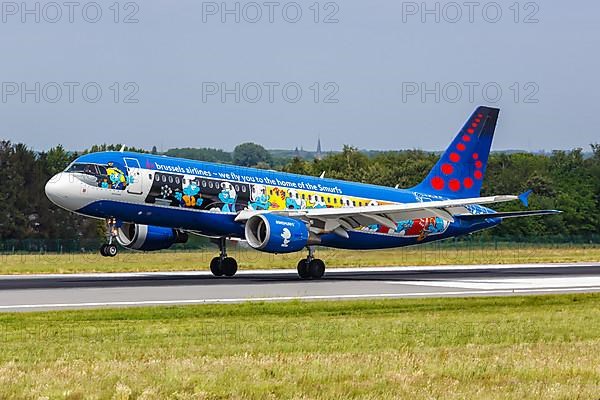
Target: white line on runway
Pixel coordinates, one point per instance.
(508, 283)
(293, 271)
(290, 298)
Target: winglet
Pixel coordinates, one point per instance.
(524, 197)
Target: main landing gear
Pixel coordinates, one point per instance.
(311, 267)
(223, 265)
(110, 249)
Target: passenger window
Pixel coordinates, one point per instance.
(157, 178)
(150, 176)
(203, 183)
(244, 189)
(170, 179)
(177, 180)
(164, 179)
(210, 184)
(237, 188)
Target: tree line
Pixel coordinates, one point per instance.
(564, 180)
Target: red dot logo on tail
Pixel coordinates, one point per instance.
(437, 183)
(447, 169)
(454, 185)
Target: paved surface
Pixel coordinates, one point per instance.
(48, 292)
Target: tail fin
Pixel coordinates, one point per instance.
(459, 172)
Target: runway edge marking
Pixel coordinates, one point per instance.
(290, 298)
(293, 271)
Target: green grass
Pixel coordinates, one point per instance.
(476, 348)
(128, 261)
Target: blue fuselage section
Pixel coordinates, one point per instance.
(205, 198)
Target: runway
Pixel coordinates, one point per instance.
(59, 292)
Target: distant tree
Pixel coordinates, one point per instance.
(113, 147)
(298, 166)
(154, 150)
(12, 218)
(251, 154)
(203, 154)
(57, 159)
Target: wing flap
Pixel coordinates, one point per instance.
(440, 208)
(503, 215)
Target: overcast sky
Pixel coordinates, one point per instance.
(372, 74)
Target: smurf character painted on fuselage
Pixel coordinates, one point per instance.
(293, 201)
(346, 202)
(404, 226)
(228, 196)
(317, 201)
(258, 198)
(436, 226)
(173, 197)
(191, 196)
(117, 178)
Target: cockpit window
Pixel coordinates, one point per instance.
(108, 177)
(77, 168)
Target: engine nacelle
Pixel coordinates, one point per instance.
(148, 237)
(275, 234)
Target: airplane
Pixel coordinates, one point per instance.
(151, 202)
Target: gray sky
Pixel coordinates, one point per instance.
(370, 67)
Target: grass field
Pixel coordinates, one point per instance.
(476, 348)
(129, 261)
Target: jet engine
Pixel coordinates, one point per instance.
(148, 237)
(275, 234)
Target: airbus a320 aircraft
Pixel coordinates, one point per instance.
(151, 202)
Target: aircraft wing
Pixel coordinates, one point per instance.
(340, 220)
(504, 215)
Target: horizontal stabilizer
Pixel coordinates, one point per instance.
(502, 215)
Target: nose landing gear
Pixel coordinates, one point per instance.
(110, 249)
(223, 265)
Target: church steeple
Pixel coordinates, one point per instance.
(319, 154)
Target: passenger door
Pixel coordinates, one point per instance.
(135, 176)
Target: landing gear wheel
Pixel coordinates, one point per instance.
(111, 250)
(223, 265)
(303, 269)
(229, 266)
(316, 268)
(215, 266)
(103, 250)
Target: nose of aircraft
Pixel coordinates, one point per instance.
(62, 189)
(53, 189)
